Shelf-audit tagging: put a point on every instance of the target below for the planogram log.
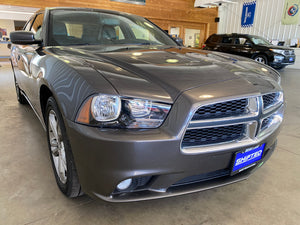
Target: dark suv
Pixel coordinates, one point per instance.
(251, 46)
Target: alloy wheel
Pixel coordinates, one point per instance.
(57, 147)
(260, 59)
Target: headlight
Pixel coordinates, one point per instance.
(115, 112)
(278, 51)
(105, 107)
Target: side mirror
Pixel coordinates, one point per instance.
(179, 41)
(248, 44)
(23, 38)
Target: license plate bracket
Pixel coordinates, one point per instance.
(246, 159)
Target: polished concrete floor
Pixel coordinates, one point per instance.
(28, 192)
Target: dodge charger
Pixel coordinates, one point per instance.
(131, 115)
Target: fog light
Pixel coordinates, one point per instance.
(124, 184)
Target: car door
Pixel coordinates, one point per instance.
(20, 62)
(244, 47)
(33, 57)
(227, 44)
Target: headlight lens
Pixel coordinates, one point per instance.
(139, 107)
(144, 113)
(106, 107)
(115, 112)
(278, 51)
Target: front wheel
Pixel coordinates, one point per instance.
(261, 58)
(60, 151)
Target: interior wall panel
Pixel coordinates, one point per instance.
(267, 21)
(173, 11)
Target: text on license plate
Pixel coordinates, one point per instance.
(247, 159)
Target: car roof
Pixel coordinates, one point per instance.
(236, 35)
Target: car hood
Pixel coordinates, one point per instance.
(163, 73)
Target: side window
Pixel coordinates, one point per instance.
(240, 41)
(119, 33)
(28, 25)
(227, 40)
(37, 26)
(214, 38)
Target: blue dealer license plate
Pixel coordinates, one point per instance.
(246, 159)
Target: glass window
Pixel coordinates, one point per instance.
(37, 26)
(227, 40)
(259, 40)
(69, 27)
(240, 41)
(214, 38)
(28, 25)
(119, 33)
(75, 30)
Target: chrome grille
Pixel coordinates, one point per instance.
(270, 99)
(214, 135)
(222, 109)
(219, 126)
(289, 52)
(265, 122)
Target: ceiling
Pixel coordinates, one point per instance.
(16, 12)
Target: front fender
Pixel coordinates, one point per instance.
(71, 83)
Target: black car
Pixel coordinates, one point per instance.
(131, 115)
(253, 47)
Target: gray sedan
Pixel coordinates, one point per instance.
(132, 115)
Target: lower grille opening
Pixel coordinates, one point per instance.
(214, 135)
(202, 177)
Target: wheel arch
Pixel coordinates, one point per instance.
(45, 94)
(262, 54)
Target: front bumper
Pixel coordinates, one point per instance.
(105, 157)
(283, 60)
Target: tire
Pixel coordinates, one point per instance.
(60, 152)
(20, 97)
(261, 59)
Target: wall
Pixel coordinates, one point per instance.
(9, 25)
(267, 21)
(165, 13)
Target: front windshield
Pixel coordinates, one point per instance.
(260, 41)
(98, 28)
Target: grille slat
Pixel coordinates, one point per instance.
(270, 99)
(222, 109)
(214, 135)
(289, 52)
